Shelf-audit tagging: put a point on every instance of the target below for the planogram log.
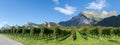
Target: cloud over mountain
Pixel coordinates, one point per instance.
(67, 10)
(56, 1)
(97, 4)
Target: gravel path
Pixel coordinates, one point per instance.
(6, 41)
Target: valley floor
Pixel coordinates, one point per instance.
(79, 41)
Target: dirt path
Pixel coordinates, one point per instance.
(6, 41)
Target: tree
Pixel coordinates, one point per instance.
(73, 32)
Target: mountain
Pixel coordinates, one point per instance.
(113, 21)
(50, 24)
(88, 17)
(30, 25)
(5, 27)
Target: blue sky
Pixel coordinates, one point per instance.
(20, 12)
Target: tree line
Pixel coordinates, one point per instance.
(63, 32)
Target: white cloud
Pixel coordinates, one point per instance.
(56, 2)
(3, 23)
(68, 10)
(97, 4)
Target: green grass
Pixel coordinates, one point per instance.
(27, 40)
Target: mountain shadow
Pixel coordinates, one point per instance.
(113, 21)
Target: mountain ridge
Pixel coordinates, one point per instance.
(110, 21)
(88, 17)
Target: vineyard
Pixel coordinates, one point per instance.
(72, 35)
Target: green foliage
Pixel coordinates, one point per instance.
(116, 31)
(23, 31)
(0, 31)
(50, 33)
(41, 34)
(73, 33)
(31, 31)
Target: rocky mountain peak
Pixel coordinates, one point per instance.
(88, 17)
(99, 15)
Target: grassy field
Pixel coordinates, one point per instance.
(27, 40)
